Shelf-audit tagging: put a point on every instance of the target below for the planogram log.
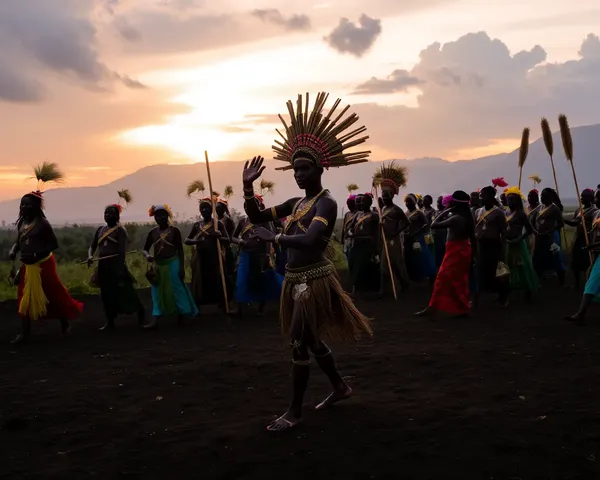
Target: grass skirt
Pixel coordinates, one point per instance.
(171, 296)
(451, 289)
(256, 280)
(522, 274)
(117, 288)
(420, 264)
(42, 295)
(324, 306)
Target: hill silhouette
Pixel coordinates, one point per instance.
(167, 183)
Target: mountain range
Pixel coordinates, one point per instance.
(167, 183)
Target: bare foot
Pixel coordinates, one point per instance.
(427, 312)
(338, 395)
(285, 422)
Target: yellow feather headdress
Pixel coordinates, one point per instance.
(318, 137)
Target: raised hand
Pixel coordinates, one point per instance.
(263, 234)
(252, 171)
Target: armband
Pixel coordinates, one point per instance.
(277, 237)
(274, 213)
(322, 220)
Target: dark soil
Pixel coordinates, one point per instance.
(505, 395)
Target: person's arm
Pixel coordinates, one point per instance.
(147, 247)
(122, 239)
(236, 233)
(49, 236)
(178, 240)
(527, 225)
(325, 214)
(403, 221)
(258, 216)
(575, 221)
(15, 249)
(221, 233)
(560, 221)
(93, 245)
(443, 221)
(191, 238)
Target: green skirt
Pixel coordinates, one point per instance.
(522, 274)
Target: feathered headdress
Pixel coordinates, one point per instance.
(44, 174)
(318, 137)
(228, 192)
(266, 186)
(499, 182)
(535, 179)
(391, 176)
(514, 191)
(352, 187)
(156, 208)
(124, 195)
(206, 200)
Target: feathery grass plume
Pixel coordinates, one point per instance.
(47, 173)
(536, 179)
(524, 149)
(228, 192)
(547, 135)
(266, 186)
(125, 195)
(352, 187)
(565, 134)
(197, 186)
(392, 175)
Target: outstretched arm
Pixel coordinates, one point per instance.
(94, 244)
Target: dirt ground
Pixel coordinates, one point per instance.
(504, 395)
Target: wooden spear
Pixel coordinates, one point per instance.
(549, 143)
(523, 151)
(385, 247)
(567, 141)
(216, 227)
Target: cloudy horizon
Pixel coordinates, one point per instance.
(105, 87)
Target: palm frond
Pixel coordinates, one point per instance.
(228, 192)
(48, 172)
(565, 134)
(524, 149)
(266, 186)
(352, 187)
(125, 194)
(547, 135)
(197, 186)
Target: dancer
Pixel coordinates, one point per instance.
(533, 204)
(518, 259)
(490, 231)
(40, 291)
(591, 293)
(347, 223)
(580, 259)
(475, 202)
(440, 234)
(257, 280)
(451, 289)
(419, 262)
(222, 208)
(314, 305)
(207, 286)
(393, 222)
(548, 223)
(170, 294)
(364, 256)
(116, 283)
(429, 212)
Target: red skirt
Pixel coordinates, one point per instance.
(60, 303)
(451, 290)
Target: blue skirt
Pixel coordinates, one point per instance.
(171, 296)
(592, 286)
(419, 264)
(253, 284)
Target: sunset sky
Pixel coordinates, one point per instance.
(106, 87)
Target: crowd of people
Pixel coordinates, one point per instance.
(468, 245)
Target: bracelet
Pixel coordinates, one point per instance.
(277, 237)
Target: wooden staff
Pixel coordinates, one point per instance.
(216, 226)
(106, 257)
(567, 141)
(549, 143)
(385, 247)
(523, 151)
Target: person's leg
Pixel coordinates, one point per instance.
(25, 334)
(326, 362)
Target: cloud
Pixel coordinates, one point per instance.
(40, 37)
(397, 81)
(355, 40)
(473, 91)
(274, 16)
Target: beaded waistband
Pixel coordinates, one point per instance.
(310, 272)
